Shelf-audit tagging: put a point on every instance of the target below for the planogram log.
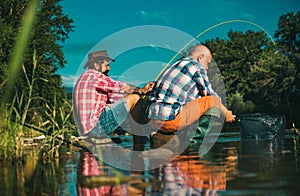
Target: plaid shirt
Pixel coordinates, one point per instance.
(90, 167)
(92, 93)
(180, 83)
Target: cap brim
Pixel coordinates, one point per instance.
(110, 59)
(93, 60)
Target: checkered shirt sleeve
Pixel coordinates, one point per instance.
(180, 83)
(92, 93)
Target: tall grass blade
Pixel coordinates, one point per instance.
(19, 48)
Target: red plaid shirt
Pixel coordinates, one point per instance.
(92, 93)
(90, 167)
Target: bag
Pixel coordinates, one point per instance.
(262, 126)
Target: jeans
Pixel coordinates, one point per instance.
(110, 119)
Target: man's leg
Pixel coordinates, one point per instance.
(190, 113)
(113, 116)
(209, 119)
(138, 124)
(193, 118)
(131, 100)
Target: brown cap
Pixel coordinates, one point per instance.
(97, 55)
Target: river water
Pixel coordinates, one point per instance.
(231, 167)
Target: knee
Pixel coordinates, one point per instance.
(209, 101)
(131, 100)
(214, 111)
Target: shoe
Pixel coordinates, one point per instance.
(167, 140)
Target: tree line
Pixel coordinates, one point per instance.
(37, 91)
(260, 75)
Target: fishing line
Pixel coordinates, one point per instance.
(217, 25)
(208, 29)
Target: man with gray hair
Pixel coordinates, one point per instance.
(183, 93)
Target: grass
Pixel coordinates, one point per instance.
(14, 114)
(10, 130)
(56, 121)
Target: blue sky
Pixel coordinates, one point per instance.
(144, 35)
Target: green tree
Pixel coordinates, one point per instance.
(288, 40)
(51, 29)
(235, 56)
(271, 76)
(9, 23)
(256, 76)
(288, 36)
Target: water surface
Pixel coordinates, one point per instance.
(232, 167)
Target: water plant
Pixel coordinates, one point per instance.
(18, 106)
(57, 121)
(9, 129)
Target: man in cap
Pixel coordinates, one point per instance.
(102, 104)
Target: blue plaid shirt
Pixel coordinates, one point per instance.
(180, 83)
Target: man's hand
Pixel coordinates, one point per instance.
(147, 88)
(229, 117)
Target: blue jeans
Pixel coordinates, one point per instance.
(110, 119)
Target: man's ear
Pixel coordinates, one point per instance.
(201, 55)
(97, 66)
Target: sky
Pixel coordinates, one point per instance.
(143, 36)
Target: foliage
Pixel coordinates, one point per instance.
(11, 131)
(7, 133)
(288, 36)
(272, 76)
(49, 32)
(36, 92)
(57, 124)
(256, 76)
(288, 40)
(237, 103)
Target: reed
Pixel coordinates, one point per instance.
(59, 125)
(57, 121)
(9, 129)
(14, 114)
(16, 59)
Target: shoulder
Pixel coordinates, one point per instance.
(91, 76)
(188, 62)
(90, 73)
(191, 65)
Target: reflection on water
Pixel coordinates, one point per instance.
(91, 181)
(231, 167)
(268, 167)
(188, 175)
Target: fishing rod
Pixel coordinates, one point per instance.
(68, 141)
(56, 137)
(217, 25)
(205, 31)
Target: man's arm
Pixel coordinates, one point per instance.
(229, 117)
(205, 85)
(130, 88)
(141, 91)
